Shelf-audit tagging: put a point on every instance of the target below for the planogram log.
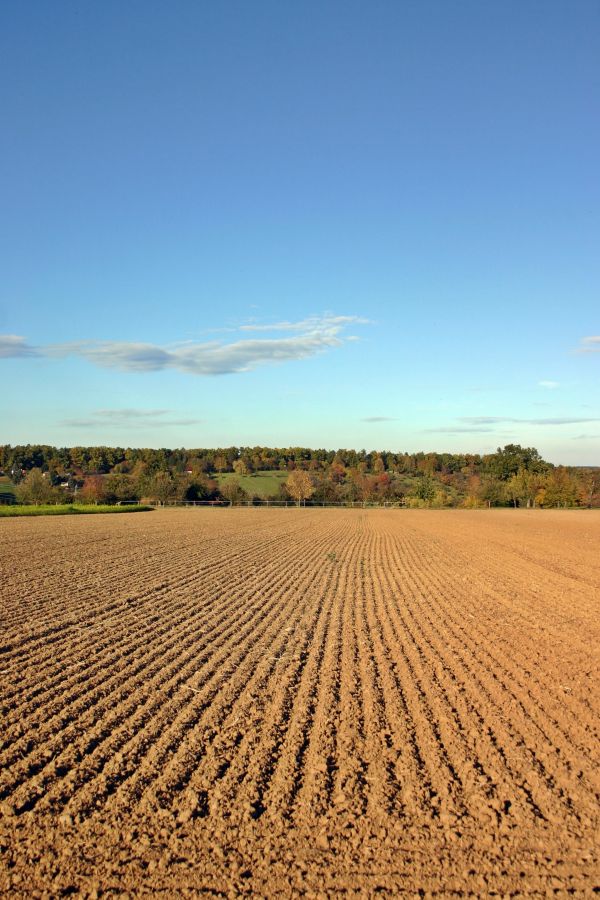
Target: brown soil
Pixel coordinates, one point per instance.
(300, 701)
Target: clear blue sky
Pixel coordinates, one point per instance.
(323, 223)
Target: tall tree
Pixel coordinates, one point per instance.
(299, 485)
(509, 460)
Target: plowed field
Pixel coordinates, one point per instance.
(288, 701)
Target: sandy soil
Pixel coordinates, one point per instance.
(296, 701)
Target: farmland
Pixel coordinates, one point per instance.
(327, 701)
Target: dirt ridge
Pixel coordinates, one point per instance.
(300, 701)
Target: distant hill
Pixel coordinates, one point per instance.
(511, 476)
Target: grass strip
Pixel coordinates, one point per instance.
(67, 510)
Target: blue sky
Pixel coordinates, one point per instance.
(328, 224)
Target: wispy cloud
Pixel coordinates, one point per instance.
(379, 419)
(78, 423)
(458, 430)
(482, 424)
(129, 418)
(124, 355)
(557, 420)
(310, 337)
(590, 344)
(311, 323)
(549, 385)
(12, 346)
(130, 413)
(482, 420)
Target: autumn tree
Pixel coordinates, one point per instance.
(232, 490)
(93, 490)
(367, 487)
(337, 473)
(383, 486)
(589, 487)
(299, 485)
(473, 489)
(524, 487)
(560, 488)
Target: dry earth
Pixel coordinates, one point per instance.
(296, 701)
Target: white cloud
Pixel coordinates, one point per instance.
(12, 345)
(129, 356)
(310, 337)
(590, 344)
(550, 385)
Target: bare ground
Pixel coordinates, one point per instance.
(295, 701)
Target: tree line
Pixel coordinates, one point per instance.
(512, 476)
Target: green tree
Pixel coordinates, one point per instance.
(425, 489)
(35, 488)
(194, 488)
(119, 487)
(162, 487)
(512, 458)
(490, 490)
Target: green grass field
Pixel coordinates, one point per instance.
(67, 510)
(261, 484)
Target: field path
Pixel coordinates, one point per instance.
(287, 701)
